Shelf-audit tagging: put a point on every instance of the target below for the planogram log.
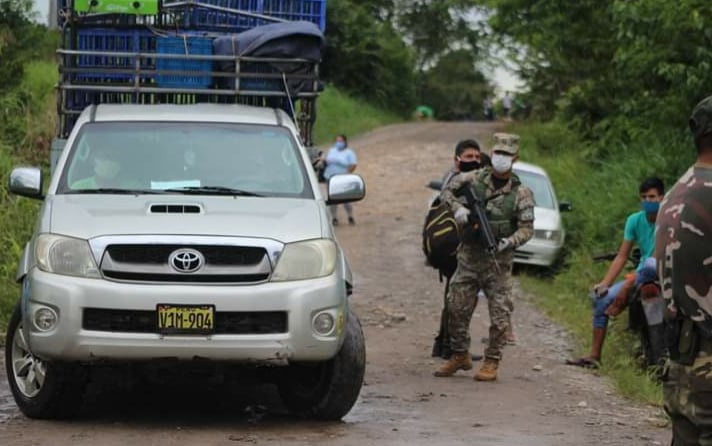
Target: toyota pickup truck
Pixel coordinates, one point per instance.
(183, 222)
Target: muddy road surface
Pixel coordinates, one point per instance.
(536, 401)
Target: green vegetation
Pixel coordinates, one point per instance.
(339, 113)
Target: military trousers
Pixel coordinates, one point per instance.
(496, 283)
(687, 391)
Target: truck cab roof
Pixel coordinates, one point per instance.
(232, 113)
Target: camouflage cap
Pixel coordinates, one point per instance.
(506, 142)
(701, 118)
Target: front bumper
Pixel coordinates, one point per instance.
(537, 252)
(69, 340)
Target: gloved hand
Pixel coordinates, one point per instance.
(504, 244)
(461, 215)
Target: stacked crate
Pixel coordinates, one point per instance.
(115, 50)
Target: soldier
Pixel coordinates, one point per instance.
(510, 210)
(684, 259)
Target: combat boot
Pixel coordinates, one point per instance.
(488, 372)
(458, 361)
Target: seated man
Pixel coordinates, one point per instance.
(108, 171)
(611, 299)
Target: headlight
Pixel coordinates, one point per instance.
(64, 255)
(549, 235)
(306, 260)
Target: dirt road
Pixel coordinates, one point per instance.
(537, 400)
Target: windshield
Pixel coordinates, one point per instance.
(540, 186)
(185, 157)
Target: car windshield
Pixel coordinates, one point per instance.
(186, 157)
(540, 186)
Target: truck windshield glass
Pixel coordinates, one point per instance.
(185, 157)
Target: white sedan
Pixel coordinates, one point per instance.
(549, 234)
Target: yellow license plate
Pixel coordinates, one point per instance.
(185, 319)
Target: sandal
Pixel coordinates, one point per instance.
(586, 363)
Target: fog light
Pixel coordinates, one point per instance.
(323, 323)
(45, 319)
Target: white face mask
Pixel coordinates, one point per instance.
(501, 163)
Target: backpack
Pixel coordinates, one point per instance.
(441, 237)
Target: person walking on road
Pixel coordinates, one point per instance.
(510, 211)
(340, 159)
(506, 105)
(683, 239)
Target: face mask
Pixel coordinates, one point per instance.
(106, 169)
(468, 166)
(651, 207)
(501, 163)
(340, 145)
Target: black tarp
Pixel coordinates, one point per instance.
(288, 40)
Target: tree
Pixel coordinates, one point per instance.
(367, 56)
(454, 87)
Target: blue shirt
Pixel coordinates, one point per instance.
(642, 232)
(339, 161)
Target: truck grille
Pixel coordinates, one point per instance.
(214, 255)
(145, 321)
(217, 264)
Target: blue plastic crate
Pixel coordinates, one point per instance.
(310, 10)
(184, 45)
(116, 40)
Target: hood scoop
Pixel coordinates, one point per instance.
(176, 209)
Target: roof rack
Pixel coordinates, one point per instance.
(124, 77)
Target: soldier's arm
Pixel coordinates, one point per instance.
(448, 195)
(524, 211)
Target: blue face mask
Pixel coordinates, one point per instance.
(651, 207)
(340, 145)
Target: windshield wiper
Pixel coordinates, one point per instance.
(110, 190)
(212, 190)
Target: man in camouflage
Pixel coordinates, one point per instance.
(683, 250)
(510, 211)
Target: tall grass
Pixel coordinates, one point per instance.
(603, 191)
(339, 113)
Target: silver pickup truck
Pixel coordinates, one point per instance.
(184, 233)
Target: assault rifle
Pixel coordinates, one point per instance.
(478, 219)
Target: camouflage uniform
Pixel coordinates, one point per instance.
(476, 269)
(684, 258)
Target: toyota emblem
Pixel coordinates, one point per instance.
(186, 260)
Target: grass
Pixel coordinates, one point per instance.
(603, 191)
(339, 113)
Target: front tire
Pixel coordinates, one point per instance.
(42, 389)
(328, 390)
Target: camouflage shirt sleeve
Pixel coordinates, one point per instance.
(524, 212)
(682, 245)
(448, 194)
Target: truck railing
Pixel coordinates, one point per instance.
(288, 83)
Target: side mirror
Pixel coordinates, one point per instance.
(436, 185)
(565, 206)
(345, 188)
(26, 181)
